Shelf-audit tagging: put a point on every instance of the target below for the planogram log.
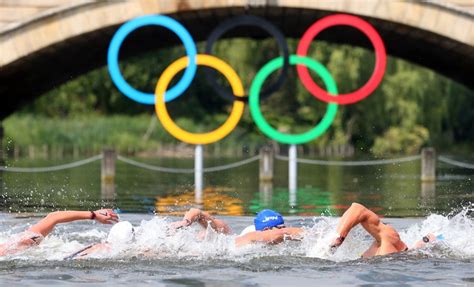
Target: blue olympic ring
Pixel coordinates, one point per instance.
(130, 26)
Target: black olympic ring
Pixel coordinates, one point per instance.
(247, 20)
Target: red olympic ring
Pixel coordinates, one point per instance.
(380, 58)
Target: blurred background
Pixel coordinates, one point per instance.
(59, 106)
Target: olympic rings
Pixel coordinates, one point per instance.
(268, 130)
(203, 138)
(192, 60)
(247, 20)
(380, 58)
(122, 33)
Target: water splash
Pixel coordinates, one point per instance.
(154, 239)
(457, 230)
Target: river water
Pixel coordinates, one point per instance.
(389, 190)
(179, 259)
(182, 260)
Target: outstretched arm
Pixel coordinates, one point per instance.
(204, 219)
(356, 214)
(46, 225)
(272, 236)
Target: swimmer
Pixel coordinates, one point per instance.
(35, 234)
(269, 227)
(386, 238)
(120, 235)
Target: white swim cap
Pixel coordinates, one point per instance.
(248, 229)
(121, 233)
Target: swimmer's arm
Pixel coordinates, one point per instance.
(273, 236)
(99, 247)
(46, 225)
(204, 219)
(218, 225)
(356, 214)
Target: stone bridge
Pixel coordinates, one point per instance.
(44, 43)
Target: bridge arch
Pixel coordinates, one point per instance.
(57, 44)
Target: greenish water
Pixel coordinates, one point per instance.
(389, 190)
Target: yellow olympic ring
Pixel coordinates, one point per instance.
(199, 138)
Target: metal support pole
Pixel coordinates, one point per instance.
(292, 174)
(266, 164)
(428, 164)
(108, 174)
(198, 173)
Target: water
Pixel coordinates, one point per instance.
(179, 259)
(390, 190)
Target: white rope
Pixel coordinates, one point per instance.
(353, 163)
(185, 170)
(232, 165)
(51, 168)
(153, 167)
(455, 162)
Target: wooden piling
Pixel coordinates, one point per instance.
(428, 164)
(108, 174)
(266, 164)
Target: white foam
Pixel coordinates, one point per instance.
(154, 239)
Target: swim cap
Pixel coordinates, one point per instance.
(440, 237)
(248, 229)
(121, 233)
(267, 219)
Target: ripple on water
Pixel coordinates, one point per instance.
(178, 258)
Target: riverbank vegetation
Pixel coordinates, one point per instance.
(413, 107)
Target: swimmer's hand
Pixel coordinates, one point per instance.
(336, 243)
(180, 224)
(106, 216)
(192, 215)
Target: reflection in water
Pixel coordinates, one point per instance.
(214, 200)
(292, 200)
(312, 201)
(107, 191)
(266, 192)
(390, 190)
(198, 173)
(428, 193)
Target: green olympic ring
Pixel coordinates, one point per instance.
(271, 132)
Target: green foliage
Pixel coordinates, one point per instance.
(399, 140)
(91, 133)
(413, 105)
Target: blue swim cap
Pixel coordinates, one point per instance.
(267, 219)
(440, 237)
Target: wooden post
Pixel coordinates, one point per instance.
(428, 164)
(266, 164)
(108, 174)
